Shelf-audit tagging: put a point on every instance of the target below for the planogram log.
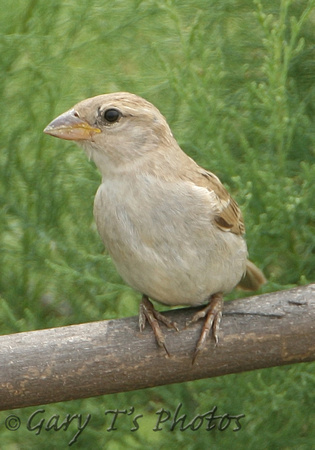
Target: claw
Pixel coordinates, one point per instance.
(213, 313)
(147, 312)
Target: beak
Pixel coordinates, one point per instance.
(71, 127)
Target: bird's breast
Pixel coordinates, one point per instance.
(164, 243)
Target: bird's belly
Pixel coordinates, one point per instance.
(181, 280)
(171, 286)
(166, 257)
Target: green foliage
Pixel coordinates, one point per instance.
(235, 80)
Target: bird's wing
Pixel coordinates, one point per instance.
(228, 216)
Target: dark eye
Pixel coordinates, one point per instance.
(111, 115)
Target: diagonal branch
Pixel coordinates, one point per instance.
(100, 358)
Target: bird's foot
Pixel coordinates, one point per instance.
(147, 312)
(212, 313)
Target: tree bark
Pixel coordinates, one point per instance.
(91, 359)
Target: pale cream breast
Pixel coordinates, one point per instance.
(163, 241)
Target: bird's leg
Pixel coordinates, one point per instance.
(213, 313)
(147, 312)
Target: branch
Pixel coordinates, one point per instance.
(91, 359)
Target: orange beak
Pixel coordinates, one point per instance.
(71, 127)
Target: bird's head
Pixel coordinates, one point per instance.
(114, 129)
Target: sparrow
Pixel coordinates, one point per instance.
(172, 230)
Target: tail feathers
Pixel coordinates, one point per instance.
(252, 279)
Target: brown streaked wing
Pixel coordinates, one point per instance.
(230, 217)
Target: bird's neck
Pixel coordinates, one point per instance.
(161, 158)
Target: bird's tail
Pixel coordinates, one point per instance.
(252, 279)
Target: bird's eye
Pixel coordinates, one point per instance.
(111, 115)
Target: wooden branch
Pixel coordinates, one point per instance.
(99, 358)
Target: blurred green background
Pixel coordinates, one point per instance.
(235, 80)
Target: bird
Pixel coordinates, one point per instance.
(172, 230)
